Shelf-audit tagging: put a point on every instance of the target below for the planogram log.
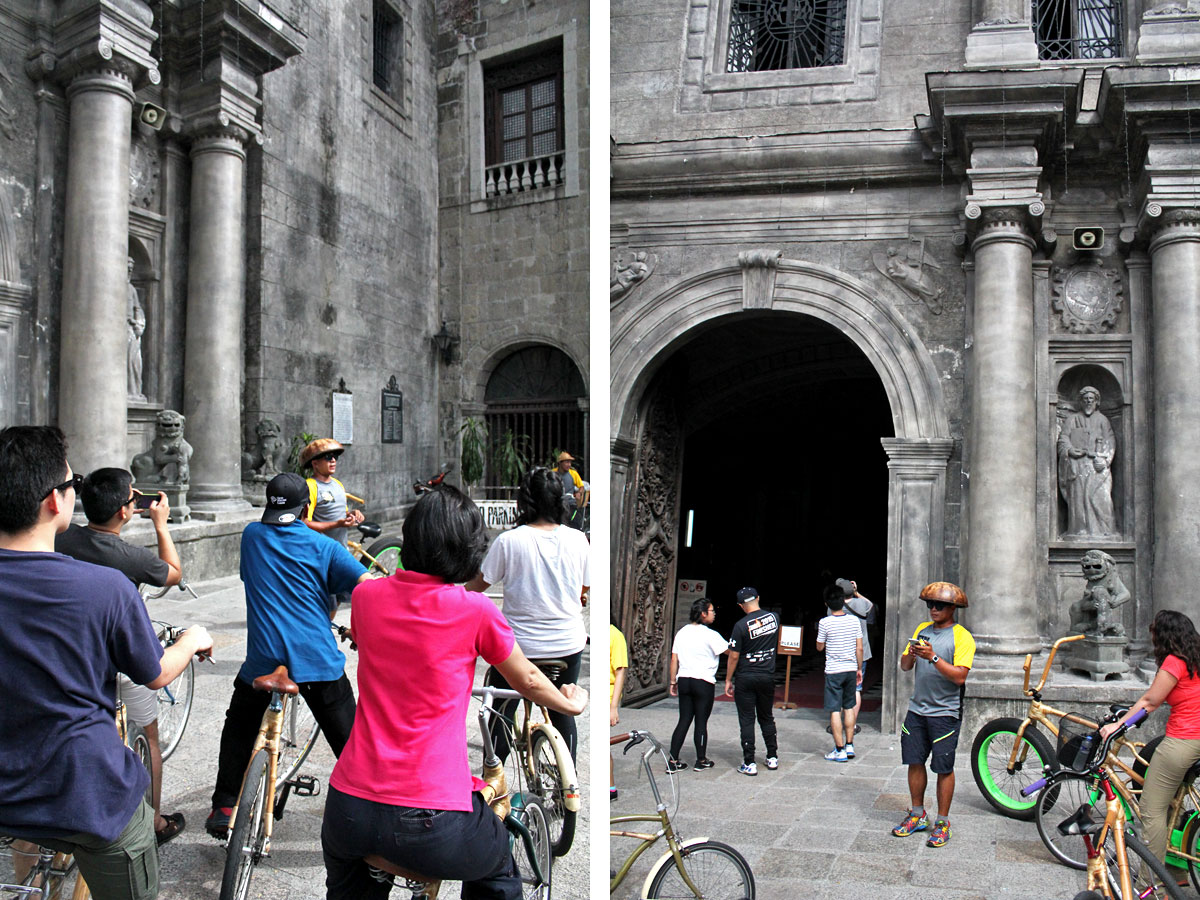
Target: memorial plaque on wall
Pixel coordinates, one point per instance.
(391, 414)
(343, 417)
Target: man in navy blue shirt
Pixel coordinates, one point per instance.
(288, 571)
(66, 780)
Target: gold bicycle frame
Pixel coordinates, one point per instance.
(1114, 826)
(359, 551)
(268, 737)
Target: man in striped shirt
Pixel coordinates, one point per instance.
(840, 636)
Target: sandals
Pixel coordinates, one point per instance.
(175, 824)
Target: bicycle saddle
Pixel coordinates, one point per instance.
(1081, 822)
(385, 865)
(370, 529)
(551, 668)
(279, 680)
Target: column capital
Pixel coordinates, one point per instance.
(918, 455)
(112, 36)
(994, 224)
(220, 135)
(1171, 225)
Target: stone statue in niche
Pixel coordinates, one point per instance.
(1086, 447)
(135, 320)
(167, 460)
(1097, 611)
(262, 462)
(908, 270)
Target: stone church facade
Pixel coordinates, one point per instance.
(241, 211)
(962, 214)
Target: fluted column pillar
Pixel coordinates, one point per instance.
(1002, 36)
(213, 356)
(1001, 577)
(1175, 284)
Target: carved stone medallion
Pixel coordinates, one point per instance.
(143, 175)
(1088, 297)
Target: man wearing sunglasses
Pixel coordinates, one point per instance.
(940, 654)
(66, 780)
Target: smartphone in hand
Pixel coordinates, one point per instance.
(143, 501)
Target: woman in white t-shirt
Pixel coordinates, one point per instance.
(545, 570)
(694, 656)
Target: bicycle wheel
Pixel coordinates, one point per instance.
(296, 739)
(174, 708)
(719, 871)
(1149, 875)
(135, 738)
(1058, 800)
(1000, 785)
(386, 551)
(245, 846)
(550, 783)
(532, 814)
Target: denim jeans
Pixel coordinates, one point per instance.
(471, 847)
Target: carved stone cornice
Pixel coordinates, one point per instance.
(107, 35)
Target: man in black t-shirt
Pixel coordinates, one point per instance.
(752, 656)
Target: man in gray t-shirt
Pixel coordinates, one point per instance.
(863, 610)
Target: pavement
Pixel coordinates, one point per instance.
(818, 829)
(191, 865)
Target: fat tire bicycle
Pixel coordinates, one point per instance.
(1119, 865)
(546, 761)
(695, 869)
(1009, 754)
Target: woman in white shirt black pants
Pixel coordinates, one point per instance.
(694, 656)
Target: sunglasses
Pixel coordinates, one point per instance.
(328, 457)
(938, 605)
(75, 481)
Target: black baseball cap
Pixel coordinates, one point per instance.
(287, 493)
(746, 594)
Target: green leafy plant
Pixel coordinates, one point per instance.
(510, 457)
(474, 446)
(299, 442)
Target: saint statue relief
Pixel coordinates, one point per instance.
(135, 318)
(1085, 453)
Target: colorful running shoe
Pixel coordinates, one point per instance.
(940, 833)
(912, 824)
(836, 755)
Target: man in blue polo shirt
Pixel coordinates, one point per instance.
(288, 571)
(66, 780)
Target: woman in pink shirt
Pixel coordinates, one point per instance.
(1177, 683)
(403, 788)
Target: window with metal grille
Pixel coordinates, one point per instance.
(523, 108)
(1078, 29)
(767, 35)
(387, 46)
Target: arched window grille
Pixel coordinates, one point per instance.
(1078, 29)
(766, 35)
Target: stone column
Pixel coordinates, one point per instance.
(1175, 266)
(916, 546)
(213, 355)
(1003, 36)
(92, 378)
(1170, 32)
(1001, 565)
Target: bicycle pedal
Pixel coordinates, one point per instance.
(305, 786)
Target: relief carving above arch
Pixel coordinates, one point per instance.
(1087, 297)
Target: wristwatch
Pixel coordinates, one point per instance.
(935, 659)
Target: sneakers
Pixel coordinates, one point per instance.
(675, 765)
(772, 762)
(940, 833)
(913, 824)
(836, 755)
(704, 764)
(612, 793)
(849, 751)
(217, 823)
(748, 768)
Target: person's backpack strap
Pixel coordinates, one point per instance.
(312, 497)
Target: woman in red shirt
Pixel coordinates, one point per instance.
(403, 789)
(1177, 683)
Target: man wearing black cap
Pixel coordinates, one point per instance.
(752, 655)
(288, 571)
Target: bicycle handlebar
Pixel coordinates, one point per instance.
(1065, 639)
(487, 692)
(1133, 721)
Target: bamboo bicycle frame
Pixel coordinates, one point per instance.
(268, 737)
(1114, 827)
(360, 551)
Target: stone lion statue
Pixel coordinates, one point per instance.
(1096, 612)
(167, 460)
(265, 457)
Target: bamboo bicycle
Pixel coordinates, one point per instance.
(1008, 754)
(546, 761)
(696, 869)
(1119, 865)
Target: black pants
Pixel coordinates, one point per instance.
(564, 723)
(331, 702)
(471, 847)
(754, 694)
(695, 701)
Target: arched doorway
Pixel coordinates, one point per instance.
(818, 332)
(536, 395)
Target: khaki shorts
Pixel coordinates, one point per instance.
(124, 869)
(141, 703)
